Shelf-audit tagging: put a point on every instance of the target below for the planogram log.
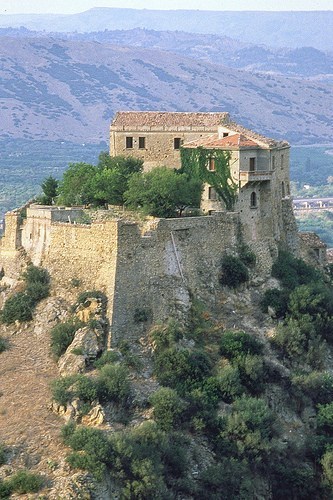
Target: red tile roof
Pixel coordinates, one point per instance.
(235, 141)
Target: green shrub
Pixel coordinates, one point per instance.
(107, 358)
(163, 336)
(299, 342)
(2, 455)
(25, 482)
(277, 299)
(62, 336)
(290, 480)
(167, 408)
(5, 490)
(252, 372)
(113, 383)
(316, 385)
(327, 465)
(93, 443)
(229, 383)
(246, 255)
(141, 315)
(3, 344)
(18, 307)
(325, 418)
(85, 388)
(62, 389)
(181, 369)
(233, 271)
(229, 479)
(35, 274)
(234, 344)
(293, 272)
(249, 428)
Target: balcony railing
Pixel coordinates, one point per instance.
(256, 176)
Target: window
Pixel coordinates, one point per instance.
(176, 143)
(225, 134)
(211, 193)
(252, 164)
(273, 162)
(142, 143)
(283, 191)
(282, 161)
(211, 164)
(253, 200)
(129, 142)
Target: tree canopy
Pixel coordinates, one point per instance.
(163, 192)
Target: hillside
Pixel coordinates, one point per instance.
(69, 90)
(233, 53)
(276, 29)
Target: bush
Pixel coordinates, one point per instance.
(252, 372)
(62, 336)
(234, 344)
(3, 344)
(246, 255)
(229, 383)
(249, 428)
(277, 300)
(317, 385)
(181, 369)
(5, 490)
(233, 271)
(93, 443)
(25, 482)
(325, 418)
(230, 479)
(164, 336)
(293, 272)
(18, 307)
(299, 342)
(113, 383)
(2, 455)
(107, 358)
(62, 390)
(167, 408)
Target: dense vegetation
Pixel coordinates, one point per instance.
(20, 305)
(214, 385)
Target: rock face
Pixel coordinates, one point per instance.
(85, 347)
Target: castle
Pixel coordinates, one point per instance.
(158, 266)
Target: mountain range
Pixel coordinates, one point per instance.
(276, 29)
(68, 85)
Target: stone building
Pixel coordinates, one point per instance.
(259, 166)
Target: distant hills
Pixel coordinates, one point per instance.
(276, 29)
(62, 84)
(70, 89)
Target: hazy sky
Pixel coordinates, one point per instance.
(72, 6)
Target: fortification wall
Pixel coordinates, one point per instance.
(157, 272)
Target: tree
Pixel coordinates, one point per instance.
(163, 192)
(50, 190)
(76, 185)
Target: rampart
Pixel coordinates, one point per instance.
(155, 271)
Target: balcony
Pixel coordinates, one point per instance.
(254, 176)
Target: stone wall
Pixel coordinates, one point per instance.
(156, 269)
(159, 143)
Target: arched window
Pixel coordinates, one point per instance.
(253, 199)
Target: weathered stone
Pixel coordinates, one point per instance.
(71, 364)
(95, 417)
